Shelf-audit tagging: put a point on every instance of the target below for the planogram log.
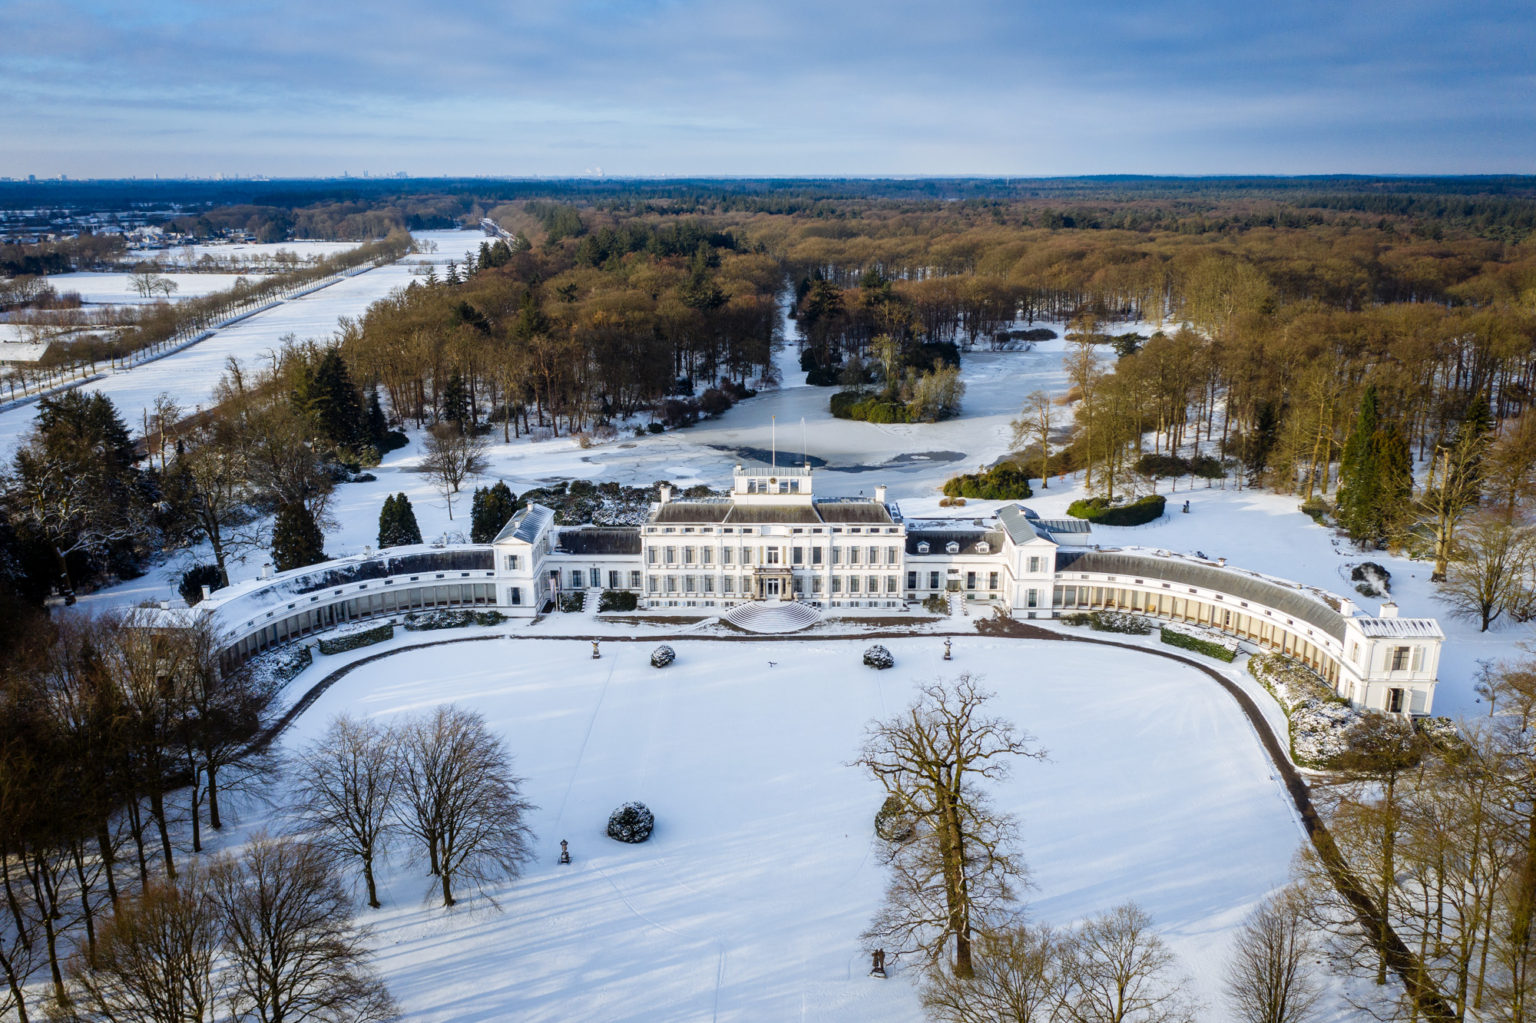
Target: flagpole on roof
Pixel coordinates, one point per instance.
(774, 428)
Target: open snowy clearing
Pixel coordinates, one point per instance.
(747, 902)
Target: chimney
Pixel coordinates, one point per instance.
(266, 571)
(1346, 607)
(1389, 610)
(165, 605)
(666, 493)
(1222, 562)
(880, 494)
(207, 591)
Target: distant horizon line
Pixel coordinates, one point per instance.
(57, 179)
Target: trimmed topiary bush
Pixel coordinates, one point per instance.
(632, 822)
(663, 656)
(892, 822)
(1185, 641)
(878, 657)
(1100, 512)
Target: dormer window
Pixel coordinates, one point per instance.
(983, 548)
(953, 547)
(922, 548)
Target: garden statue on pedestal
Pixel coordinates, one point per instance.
(565, 851)
(877, 963)
(595, 654)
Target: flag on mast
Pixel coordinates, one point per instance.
(774, 433)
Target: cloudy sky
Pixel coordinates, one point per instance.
(720, 87)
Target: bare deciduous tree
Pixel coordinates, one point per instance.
(345, 791)
(960, 871)
(1268, 978)
(1017, 979)
(1034, 423)
(294, 955)
(460, 798)
(451, 457)
(1120, 971)
(1490, 570)
(154, 960)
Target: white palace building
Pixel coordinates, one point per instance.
(771, 541)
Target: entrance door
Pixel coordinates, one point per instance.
(770, 587)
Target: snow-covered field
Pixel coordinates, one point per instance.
(189, 376)
(117, 288)
(254, 252)
(748, 901)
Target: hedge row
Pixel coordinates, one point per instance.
(353, 640)
(1185, 641)
(1101, 512)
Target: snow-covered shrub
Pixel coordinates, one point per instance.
(618, 600)
(1319, 729)
(352, 637)
(631, 822)
(892, 822)
(1184, 641)
(1111, 621)
(879, 657)
(423, 621)
(1370, 579)
(936, 603)
(663, 656)
(571, 602)
(1288, 680)
(282, 665)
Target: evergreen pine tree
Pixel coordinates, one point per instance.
(397, 522)
(1375, 476)
(456, 405)
(491, 509)
(338, 409)
(378, 423)
(296, 539)
(1358, 473)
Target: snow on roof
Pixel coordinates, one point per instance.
(1399, 628)
(526, 524)
(1021, 525)
(1289, 598)
(246, 600)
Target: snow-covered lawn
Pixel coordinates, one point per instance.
(748, 901)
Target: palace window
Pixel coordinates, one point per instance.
(797, 555)
(922, 548)
(1400, 658)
